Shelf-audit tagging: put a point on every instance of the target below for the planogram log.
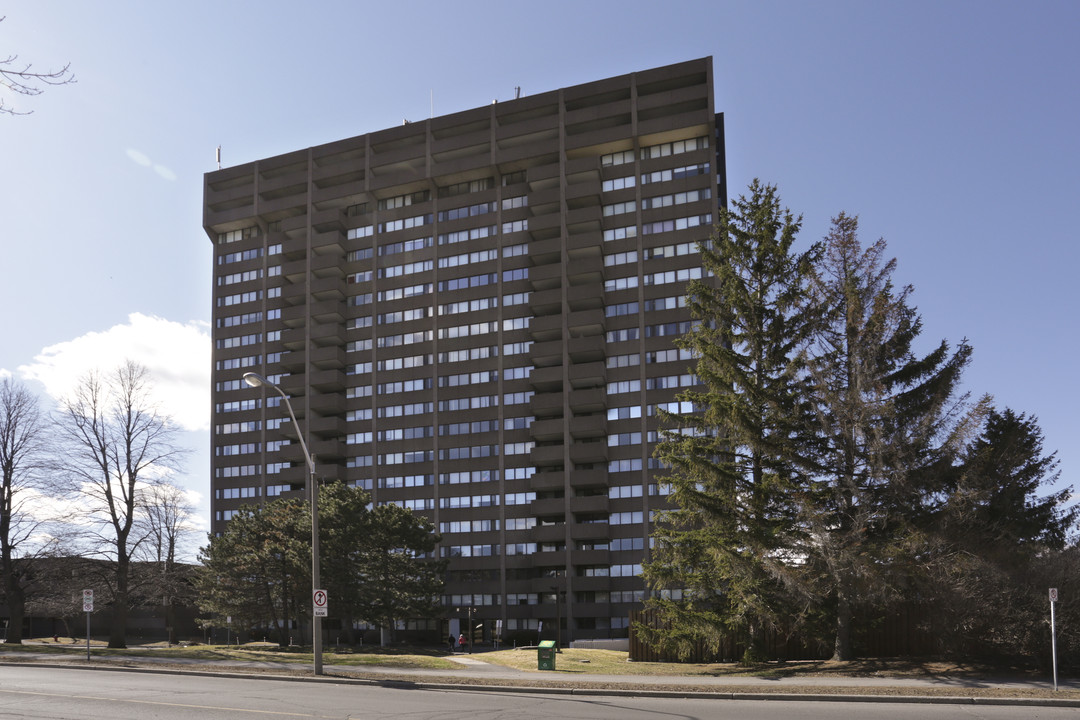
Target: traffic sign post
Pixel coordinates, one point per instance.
(1053, 633)
(88, 607)
(319, 601)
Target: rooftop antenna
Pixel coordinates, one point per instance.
(432, 102)
(218, 157)
(517, 92)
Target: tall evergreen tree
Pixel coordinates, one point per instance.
(259, 570)
(377, 561)
(374, 562)
(734, 449)
(1001, 542)
(995, 503)
(884, 420)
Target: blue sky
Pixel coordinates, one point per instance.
(948, 127)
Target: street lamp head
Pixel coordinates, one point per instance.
(255, 379)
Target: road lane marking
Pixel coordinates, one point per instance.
(155, 702)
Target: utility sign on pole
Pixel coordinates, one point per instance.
(88, 607)
(1053, 633)
(319, 601)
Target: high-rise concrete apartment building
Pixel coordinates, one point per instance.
(473, 316)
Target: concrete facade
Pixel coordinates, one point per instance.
(473, 316)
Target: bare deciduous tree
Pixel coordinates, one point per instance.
(22, 435)
(22, 79)
(167, 514)
(119, 445)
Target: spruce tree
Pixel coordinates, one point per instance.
(884, 420)
(995, 505)
(733, 444)
(1001, 542)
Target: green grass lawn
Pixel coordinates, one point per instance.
(577, 662)
(269, 653)
(610, 662)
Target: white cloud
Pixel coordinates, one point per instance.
(139, 158)
(177, 355)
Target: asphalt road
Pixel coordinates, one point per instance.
(35, 692)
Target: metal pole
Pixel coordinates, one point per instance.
(257, 380)
(316, 620)
(1053, 643)
(88, 637)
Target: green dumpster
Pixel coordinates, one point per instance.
(545, 655)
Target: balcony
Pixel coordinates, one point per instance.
(328, 311)
(589, 557)
(547, 405)
(331, 357)
(327, 266)
(327, 380)
(545, 252)
(547, 430)
(585, 297)
(546, 277)
(292, 362)
(549, 507)
(545, 226)
(328, 334)
(294, 385)
(593, 478)
(585, 244)
(548, 353)
(294, 316)
(546, 327)
(588, 401)
(584, 453)
(588, 375)
(585, 322)
(547, 455)
(585, 271)
(591, 584)
(546, 302)
(589, 504)
(296, 475)
(327, 427)
(327, 450)
(547, 379)
(294, 339)
(329, 243)
(588, 426)
(327, 288)
(549, 480)
(549, 533)
(328, 404)
(587, 348)
(590, 531)
(584, 219)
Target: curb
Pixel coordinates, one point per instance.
(398, 684)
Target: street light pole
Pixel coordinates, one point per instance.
(558, 619)
(469, 610)
(256, 380)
